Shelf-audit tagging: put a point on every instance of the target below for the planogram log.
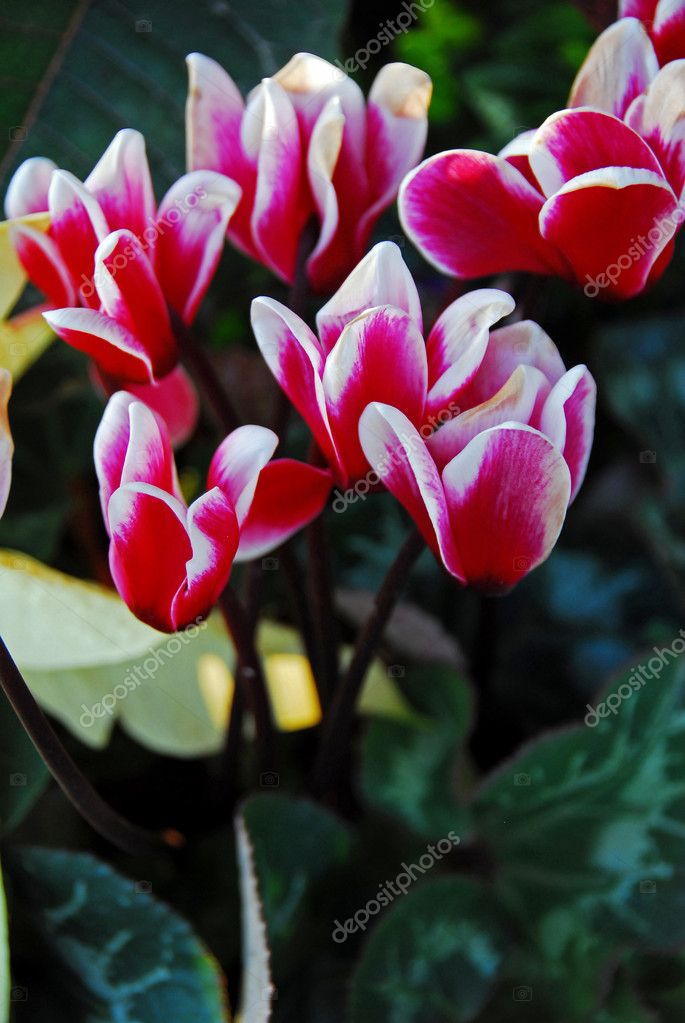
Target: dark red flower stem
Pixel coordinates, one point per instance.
(102, 818)
(211, 388)
(320, 589)
(250, 676)
(337, 725)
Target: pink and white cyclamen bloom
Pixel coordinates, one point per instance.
(306, 145)
(170, 561)
(113, 264)
(490, 487)
(482, 435)
(664, 20)
(594, 195)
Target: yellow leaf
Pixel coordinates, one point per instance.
(292, 691)
(12, 277)
(22, 340)
(26, 336)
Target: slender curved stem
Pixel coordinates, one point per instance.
(102, 818)
(322, 605)
(250, 674)
(337, 724)
(205, 375)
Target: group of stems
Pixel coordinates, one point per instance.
(339, 695)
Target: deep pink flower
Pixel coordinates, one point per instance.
(665, 22)
(489, 489)
(112, 263)
(306, 144)
(593, 195)
(169, 561)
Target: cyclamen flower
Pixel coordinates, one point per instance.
(169, 561)
(6, 444)
(113, 264)
(665, 22)
(593, 195)
(489, 489)
(370, 354)
(306, 145)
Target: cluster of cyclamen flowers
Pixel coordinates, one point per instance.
(482, 434)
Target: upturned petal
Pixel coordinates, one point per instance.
(42, 260)
(517, 153)
(131, 447)
(381, 278)
(659, 117)
(122, 185)
(271, 138)
(214, 115)
(516, 401)
(458, 342)
(130, 294)
(472, 214)
(27, 191)
(116, 350)
(668, 30)
(620, 65)
(397, 453)
(397, 125)
(169, 564)
(507, 494)
(605, 220)
(288, 495)
(78, 225)
(568, 419)
(379, 357)
(175, 400)
(293, 354)
(191, 226)
(574, 142)
(237, 463)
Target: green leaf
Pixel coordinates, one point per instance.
(23, 775)
(433, 959)
(410, 769)
(296, 845)
(121, 65)
(594, 817)
(129, 957)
